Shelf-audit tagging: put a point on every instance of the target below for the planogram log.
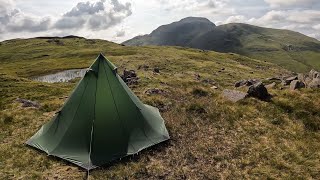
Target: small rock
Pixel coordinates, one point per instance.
(307, 81)
(315, 83)
(271, 86)
(301, 77)
(130, 77)
(234, 95)
(154, 91)
(144, 67)
(222, 69)
(214, 87)
(287, 81)
(209, 81)
(259, 91)
(314, 74)
(156, 70)
(246, 82)
(197, 76)
(296, 84)
(273, 79)
(239, 83)
(28, 103)
(292, 78)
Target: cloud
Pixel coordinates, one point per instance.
(5, 6)
(280, 3)
(94, 16)
(13, 20)
(28, 23)
(316, 27)
(85, 15)
(183, 5)
(304, 21)
(86, 8)
(120, 33)
(236, 19)
(292, 17)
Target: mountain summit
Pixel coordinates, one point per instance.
(179, 33)
(289, 49)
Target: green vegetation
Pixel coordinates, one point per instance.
(211, 138)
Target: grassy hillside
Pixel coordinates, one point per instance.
(212, 138)
(289, 49)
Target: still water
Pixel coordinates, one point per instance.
(63, 76)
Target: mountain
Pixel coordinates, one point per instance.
(289, 49)
(177, 33)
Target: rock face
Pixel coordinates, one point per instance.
(234, 95)
(296, 84)
(259, 91)
(130, 77)
(28, 103)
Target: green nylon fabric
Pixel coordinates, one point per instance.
(101, 121)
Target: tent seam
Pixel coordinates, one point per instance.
(92, 126)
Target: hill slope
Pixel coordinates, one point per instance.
(289, 49)
(212, 138)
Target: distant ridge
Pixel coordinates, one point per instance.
(58, 37)
(289, 49)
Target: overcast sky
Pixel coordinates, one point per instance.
(119, 20)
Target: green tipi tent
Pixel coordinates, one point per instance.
(101, 121)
